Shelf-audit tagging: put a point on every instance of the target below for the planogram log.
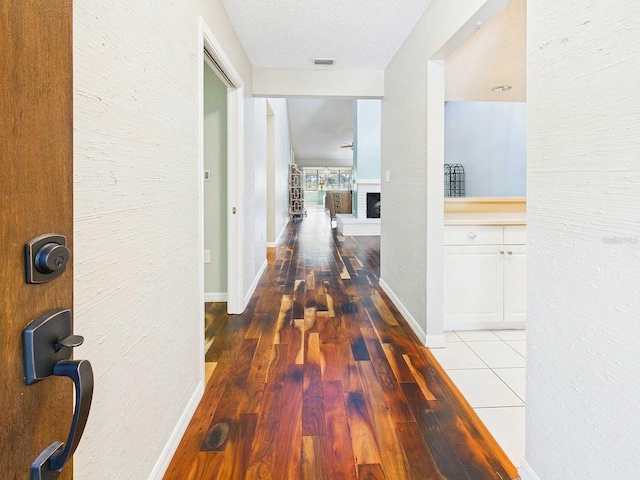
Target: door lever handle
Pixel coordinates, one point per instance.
(48, 343)
(50, 462)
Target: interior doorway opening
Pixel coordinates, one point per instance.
(215, 200)
(221, 185)
(476, 240)
(215, 185)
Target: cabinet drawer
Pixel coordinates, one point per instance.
(473, 235)
(515, 235)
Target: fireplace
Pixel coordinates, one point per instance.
(373, 204)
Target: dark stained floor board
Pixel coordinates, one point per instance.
(322, 378)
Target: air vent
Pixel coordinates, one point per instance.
(324, 61)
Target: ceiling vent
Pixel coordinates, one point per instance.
(324, 61)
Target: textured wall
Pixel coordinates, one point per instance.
(583, 386)
(490, 140)
(255, 186)
(282, 160)
(137, 298)
(494, 55)
(215, 191)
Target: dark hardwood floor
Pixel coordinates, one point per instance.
(322, 378)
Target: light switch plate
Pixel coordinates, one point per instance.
(207, 256)
(207, 175)
(387, 176)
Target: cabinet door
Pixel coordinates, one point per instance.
(515, 283)
(473, 285)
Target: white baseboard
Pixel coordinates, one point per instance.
(405, 312)
(526, 472)
(254, 285)
(284, 229)
(435, 341)
(215, 297)
(171, 446)
(485, 326)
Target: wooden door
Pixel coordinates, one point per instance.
(35, 198)
(515, 283)
(473, 285)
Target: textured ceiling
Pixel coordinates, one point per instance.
(319, 127)
(359, 34)
(495, 55)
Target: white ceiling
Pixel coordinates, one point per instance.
(359, 34)
(320, 126)
(494, 55)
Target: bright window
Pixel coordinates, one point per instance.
(327, 179)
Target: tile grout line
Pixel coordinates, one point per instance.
(492, 370)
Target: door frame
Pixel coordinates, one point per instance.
(235, 169)
(435, 99)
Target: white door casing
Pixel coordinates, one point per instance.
(235, 169)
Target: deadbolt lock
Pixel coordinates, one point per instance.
(46, 258)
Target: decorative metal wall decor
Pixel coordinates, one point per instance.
(454, 180)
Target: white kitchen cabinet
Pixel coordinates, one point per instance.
(473, 285)
(485, 278)
(515, 283)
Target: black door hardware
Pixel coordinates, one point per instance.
(46, 257)
(48, 343)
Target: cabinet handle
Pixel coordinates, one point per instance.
(472, 235)
(510, 253)
(501, 252)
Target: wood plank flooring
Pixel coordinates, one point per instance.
(322, 378)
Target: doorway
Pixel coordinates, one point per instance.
(215, 185)
(215, 201)
(477, 213)
(221, 185)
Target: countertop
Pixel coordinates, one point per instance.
(485, 218)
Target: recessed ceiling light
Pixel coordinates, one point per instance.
(502, 88)
(324, 61)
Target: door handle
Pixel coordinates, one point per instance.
(50, 462)
(48, 342)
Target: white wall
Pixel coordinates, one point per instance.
(215, 191)
(323, 163)
(280, 178)
(583, 413)
(494, 55)
(490, 140)
(136, 255)
(405, 111)
(255, 186)
(271, 176)
(320, 82)
(366, 139)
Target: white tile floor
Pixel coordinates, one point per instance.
(488, 367)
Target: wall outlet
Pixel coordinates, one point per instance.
(207, 175)
(387, 176)
(207, 256)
